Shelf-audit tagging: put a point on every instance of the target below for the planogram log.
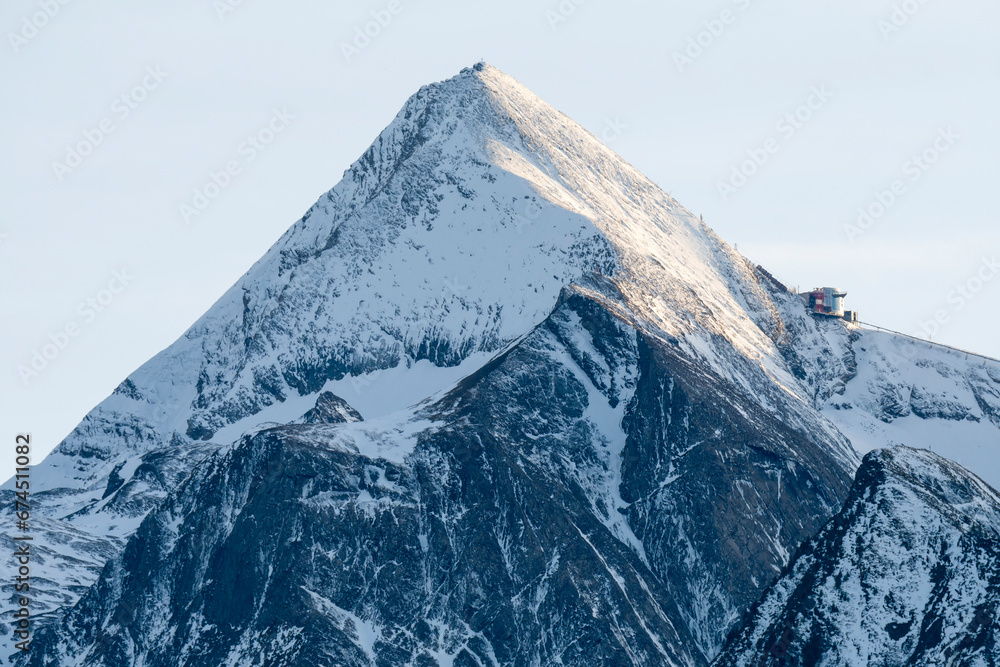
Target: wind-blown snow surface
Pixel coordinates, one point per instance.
(448, 242)
(908, 573)
(883, 390)
(452, 235)
(910, 394)
(450, 238)
(589, 496)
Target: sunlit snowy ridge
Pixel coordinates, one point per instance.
(489, 308)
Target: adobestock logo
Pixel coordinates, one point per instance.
(786, 127)
(962, 295)
(248, 151)
(32, 25)
(562, 13)
(527, 213)
(912, 171)
(224, 8)
(364, 35)
(613, 129)
(900, 16)
(360, 383)
(121, 108)
(87, 311)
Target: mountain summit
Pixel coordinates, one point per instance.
(495, 399)
(450, 237)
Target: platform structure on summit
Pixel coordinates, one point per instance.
(828, 302)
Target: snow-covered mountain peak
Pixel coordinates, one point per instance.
(450, 237)
(447, 242)
(492, 311)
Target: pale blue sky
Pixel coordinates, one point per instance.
(197, 83)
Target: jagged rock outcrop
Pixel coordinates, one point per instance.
(589, 496)
(496, 398)
(908, 573)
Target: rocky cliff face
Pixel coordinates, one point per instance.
(391, 288)
(495, 399)
(908, 573)
(589, 496)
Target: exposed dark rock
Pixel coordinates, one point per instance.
(331, 409)
(908, 573)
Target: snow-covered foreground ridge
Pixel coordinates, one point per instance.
(884, 390)
(447, 244)
(908, 573)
